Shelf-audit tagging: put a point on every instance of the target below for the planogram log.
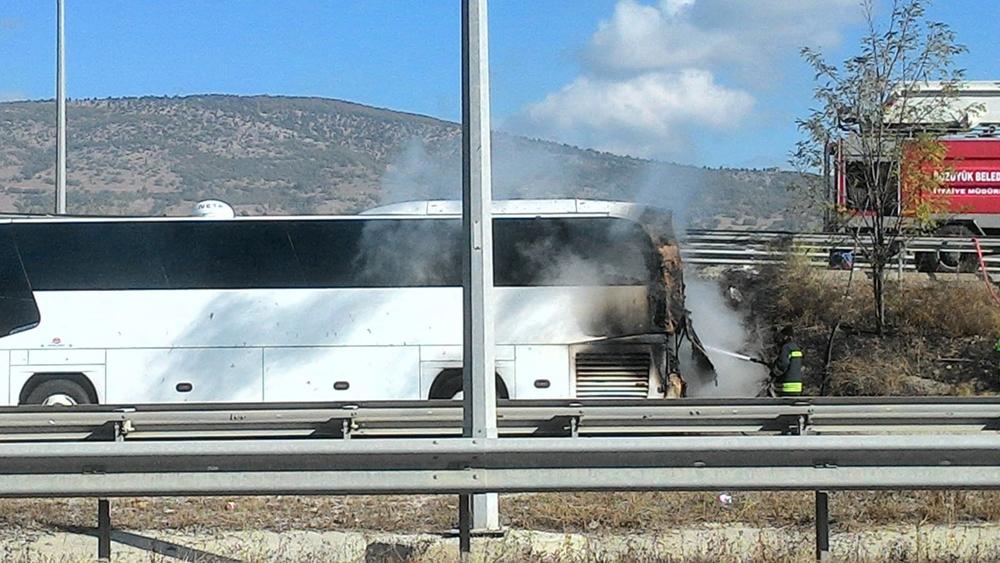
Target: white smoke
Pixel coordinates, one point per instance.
(414, 174)
(671, 188)
(418, 173)
(720, 326)
(520, 169)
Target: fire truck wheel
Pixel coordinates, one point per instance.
(955, 261)
(927, 262)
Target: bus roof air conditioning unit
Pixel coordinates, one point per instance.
(213, 209)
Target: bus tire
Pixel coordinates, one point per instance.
(448, 385)
(58, 392)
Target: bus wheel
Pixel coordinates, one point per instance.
(58, 392)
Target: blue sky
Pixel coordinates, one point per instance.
(708, 82)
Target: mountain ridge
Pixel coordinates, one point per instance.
(296, 154)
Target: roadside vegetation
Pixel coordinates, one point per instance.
(938, 338)
(871, 107)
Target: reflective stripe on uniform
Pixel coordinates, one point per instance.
(794, 354)
(791, 387)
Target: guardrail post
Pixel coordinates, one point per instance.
(104, 529)
(822, 526)
(902, 260)
(465, 526)
(119, 429)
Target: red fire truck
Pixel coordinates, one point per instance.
(970, 195)
(971, 189)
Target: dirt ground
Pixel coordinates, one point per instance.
(867, 526)
(696, 544)
(219, 541)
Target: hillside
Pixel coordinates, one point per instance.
(280, 155)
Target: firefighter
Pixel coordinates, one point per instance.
(786, 371)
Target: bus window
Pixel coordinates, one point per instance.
(414, 253)
(225, 254)
(18, 310)
(379, 252)
(88, 256)
(324, 250)
(574, 252)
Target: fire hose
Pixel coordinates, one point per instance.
(737, 355)
(986, 275)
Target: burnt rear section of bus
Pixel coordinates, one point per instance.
(670, 314)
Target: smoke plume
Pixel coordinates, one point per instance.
(720, 326)
(522, 170)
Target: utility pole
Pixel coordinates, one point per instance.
(479, 384)
(60, 108)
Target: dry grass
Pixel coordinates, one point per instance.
(694, 544)
(653, 527)
(623, 512)
(797, 291)
(385, 513)
(888, 367)
(758, 546)
(818, 298)
(563, 512)
(940, 340)
(955, 309)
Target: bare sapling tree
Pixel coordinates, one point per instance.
(880, 114)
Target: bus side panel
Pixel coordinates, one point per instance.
(542, 363)
(184, 374)
(566, 314)
(354, 373)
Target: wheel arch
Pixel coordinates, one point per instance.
(970, 225)
(445, 381)
(41, 377)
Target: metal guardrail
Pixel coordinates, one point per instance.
(735, 248)
(431, 419)
(408, 447)
(817, 444)
(467, 465)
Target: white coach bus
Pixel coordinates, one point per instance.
(345, 308)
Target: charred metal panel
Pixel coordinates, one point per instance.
(666, 293)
